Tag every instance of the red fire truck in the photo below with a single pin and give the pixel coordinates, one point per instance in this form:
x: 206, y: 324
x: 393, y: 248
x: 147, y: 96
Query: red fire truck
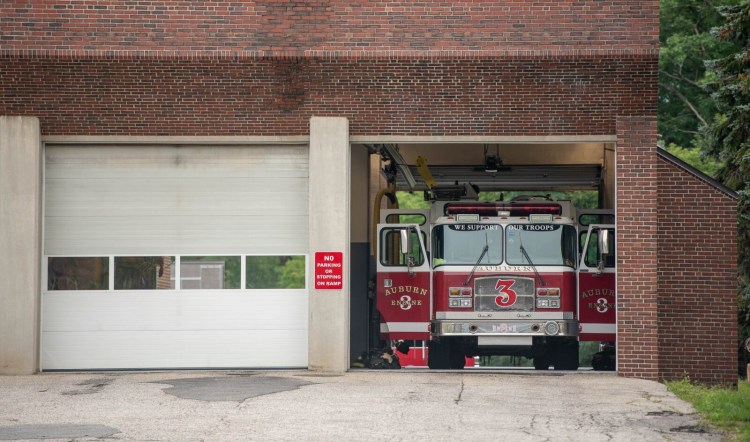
x: 530, y: 277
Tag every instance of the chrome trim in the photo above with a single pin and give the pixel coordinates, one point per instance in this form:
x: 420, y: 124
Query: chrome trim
x: 598, y: 328
x: 541, y: 316
x: 501, y: 328
x: 404, y: 327
x: 500, y: 341
x: 485, y: 293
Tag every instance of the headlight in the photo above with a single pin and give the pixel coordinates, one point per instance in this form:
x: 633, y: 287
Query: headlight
x: 548, y: 298
x: 551, y: 328
x: 460, y: 303
x: 548, y: 292
x: 459, y: 291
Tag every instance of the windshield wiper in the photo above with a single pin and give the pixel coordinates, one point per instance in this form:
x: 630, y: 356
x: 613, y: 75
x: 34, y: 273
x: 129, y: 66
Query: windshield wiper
x: 484, y: 251
x: 526, y: 255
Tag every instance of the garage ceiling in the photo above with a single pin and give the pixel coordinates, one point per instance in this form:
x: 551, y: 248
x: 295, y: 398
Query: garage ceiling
x: 562, y: 166
x: 517, y: 177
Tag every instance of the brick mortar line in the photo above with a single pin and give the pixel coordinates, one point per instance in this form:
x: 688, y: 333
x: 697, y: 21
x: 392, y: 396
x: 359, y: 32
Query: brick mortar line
x: 322, y: 54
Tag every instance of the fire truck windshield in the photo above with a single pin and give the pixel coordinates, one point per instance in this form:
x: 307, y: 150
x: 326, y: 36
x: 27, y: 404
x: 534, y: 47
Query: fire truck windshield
x: 461, y: 244
x: 545, y: 244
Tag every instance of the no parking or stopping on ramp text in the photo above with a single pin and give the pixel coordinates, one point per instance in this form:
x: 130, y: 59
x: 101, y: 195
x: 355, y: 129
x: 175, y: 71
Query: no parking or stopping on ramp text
x: 329, y: 270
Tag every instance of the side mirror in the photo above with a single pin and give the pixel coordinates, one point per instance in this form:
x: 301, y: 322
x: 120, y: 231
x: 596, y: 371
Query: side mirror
x: 405, y: 246
x: 406, y: 249
x: 604, y: 242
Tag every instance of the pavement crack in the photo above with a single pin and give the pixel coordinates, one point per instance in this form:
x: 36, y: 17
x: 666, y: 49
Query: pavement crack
x: 460, y: 393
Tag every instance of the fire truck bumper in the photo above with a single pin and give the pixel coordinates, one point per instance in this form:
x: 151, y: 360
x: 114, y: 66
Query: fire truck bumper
x: 504, y: 327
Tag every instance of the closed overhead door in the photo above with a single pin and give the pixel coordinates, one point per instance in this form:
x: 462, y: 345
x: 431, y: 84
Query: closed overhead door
x: 175, y: 257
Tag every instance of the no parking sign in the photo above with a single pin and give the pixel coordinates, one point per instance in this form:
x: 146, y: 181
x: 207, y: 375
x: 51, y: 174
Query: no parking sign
x: 329, y: 270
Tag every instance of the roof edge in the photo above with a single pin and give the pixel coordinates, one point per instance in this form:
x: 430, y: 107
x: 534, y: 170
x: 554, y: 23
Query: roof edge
x: 665, y: 155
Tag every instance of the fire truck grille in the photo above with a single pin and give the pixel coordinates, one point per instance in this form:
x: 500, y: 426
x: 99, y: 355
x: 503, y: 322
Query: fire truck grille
x: 503, y: 294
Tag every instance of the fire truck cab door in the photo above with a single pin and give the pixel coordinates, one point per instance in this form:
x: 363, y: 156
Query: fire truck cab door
x: 408, y: 216
x: 403, y: 282
x: 596, y: 284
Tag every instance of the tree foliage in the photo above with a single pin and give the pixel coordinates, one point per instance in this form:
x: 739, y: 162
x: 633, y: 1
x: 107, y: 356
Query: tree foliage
x: 729, y: 135
x: 686, y: 43
x: 292, y: 273
x: 581, y: 199
x: 275, y: 272
x: 696, y: 158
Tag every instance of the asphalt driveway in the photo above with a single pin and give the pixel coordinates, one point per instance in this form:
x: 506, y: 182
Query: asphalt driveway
x: 470, y: 405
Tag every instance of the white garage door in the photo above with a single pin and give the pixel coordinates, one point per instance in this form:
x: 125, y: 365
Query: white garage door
x: 175, y: 257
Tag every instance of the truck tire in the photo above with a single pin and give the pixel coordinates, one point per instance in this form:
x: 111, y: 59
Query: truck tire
x: 541, y: 354
x: 456, y: 355
x: 565, y: 352
x: 541, y: 362
x: 438, y: 356
x: 606, y: 359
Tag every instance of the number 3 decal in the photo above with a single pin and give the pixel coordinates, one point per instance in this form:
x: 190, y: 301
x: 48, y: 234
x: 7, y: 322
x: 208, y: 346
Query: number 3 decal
x: 507, y: 296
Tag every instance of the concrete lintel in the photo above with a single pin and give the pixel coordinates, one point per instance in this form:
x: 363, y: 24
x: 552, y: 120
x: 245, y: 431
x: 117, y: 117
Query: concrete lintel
x: 231, y: 140
x: 329, y: 224
x: 20, y: 243
x: 383, y: 139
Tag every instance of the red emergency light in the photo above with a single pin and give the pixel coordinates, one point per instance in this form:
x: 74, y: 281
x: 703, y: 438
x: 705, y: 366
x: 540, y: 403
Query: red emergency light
x: 492, y: 209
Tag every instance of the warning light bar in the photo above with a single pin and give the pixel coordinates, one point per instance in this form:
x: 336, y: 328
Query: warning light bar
x: 492, y: 209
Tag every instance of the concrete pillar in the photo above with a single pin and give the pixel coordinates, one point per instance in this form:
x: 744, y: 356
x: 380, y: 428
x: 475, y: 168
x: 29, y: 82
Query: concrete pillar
x: 20, y: 243
x: 330, y: 170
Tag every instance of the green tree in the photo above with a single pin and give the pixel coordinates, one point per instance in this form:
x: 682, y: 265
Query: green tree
x: 275, y: 272
x: 261, y: 272
x: 696, y: 158
x: 412, y: 200
x: 292, y: 273
x: 730, y: 132
x: 729, y: 135
x: 685, y: 44
x: 581, y: 199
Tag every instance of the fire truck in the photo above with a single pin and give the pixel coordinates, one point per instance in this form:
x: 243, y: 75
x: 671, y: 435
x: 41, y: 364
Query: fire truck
x: 529, y: 277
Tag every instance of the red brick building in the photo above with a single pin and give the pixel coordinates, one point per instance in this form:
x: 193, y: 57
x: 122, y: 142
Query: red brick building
x: 119, y: 74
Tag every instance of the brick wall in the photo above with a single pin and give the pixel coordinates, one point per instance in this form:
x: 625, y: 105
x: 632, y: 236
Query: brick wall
x: 637, y: 322
x: 395, y: 68
x: 219, y: 96
x: 697, y: 279
x: 265, y: 67
x: 338, y: 27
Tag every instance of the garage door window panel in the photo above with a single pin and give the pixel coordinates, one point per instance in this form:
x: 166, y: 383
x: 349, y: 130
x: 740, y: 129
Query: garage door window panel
x: 210, y: 272
x: 275, y: 272
x: 77, y: 273
x: 144, y: 272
